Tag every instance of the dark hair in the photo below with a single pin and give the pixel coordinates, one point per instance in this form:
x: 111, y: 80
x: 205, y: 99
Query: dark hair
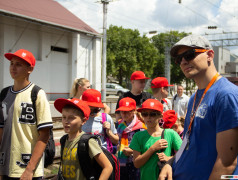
x: 77, y: 110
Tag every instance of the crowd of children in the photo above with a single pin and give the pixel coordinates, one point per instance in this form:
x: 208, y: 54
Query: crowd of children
x: 137, y: 139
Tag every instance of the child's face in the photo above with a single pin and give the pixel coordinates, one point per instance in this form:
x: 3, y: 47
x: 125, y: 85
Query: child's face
x: 127, y: 115
x: 138, y: 84
x: 19, y: 69
x: 71, y: 120
x: 151, y: 117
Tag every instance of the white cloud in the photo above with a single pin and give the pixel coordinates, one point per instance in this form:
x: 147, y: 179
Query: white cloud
x: 161, y: 15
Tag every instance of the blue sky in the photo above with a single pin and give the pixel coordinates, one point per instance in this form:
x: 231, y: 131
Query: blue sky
x: 162, y: 15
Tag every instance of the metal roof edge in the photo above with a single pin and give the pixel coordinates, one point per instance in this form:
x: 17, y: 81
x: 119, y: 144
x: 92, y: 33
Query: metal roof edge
x: 50, y: 23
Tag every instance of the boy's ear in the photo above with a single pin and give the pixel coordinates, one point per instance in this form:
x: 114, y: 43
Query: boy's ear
x: 30, y: 69
x: 84, y: 120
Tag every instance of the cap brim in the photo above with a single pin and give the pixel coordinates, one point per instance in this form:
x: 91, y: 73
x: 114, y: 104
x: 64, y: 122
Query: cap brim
x: 94, y: 104
x: 174, y: 50
x: 61, y: 103
x: 140, y: 109
x: 125, y: 109
x: 9, y: 56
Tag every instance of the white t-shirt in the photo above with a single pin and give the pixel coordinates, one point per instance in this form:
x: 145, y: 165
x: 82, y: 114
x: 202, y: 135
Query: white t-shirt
x: 180, y: 104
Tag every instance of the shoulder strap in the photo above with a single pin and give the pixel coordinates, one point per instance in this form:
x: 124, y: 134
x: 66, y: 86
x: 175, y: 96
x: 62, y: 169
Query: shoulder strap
x: 62, y: 144
x: 3, y: 93
x: 34, y: 93
x: 104, y: 117
x: 162, y: 137
x: 83, y: 156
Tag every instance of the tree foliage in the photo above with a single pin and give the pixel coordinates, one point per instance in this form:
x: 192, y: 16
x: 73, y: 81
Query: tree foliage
x: 161, y: 41
x: 127, y: 52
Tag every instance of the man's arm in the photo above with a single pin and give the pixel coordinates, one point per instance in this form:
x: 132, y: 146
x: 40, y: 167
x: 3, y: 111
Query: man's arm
x: 227, y: 150
x: 39, y: 148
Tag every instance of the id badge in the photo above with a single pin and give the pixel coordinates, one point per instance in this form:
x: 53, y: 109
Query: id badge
x: 182, y: 147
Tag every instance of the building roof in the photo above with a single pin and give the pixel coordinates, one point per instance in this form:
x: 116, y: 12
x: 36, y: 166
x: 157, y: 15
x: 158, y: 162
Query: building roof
x: 45, y: 11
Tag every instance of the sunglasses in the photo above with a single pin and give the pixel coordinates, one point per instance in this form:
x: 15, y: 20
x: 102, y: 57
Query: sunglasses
x: 151, y: 114
x: 188, y: 55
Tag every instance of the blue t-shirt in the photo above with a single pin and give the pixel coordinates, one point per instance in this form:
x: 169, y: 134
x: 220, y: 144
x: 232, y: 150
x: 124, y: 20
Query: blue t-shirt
x: 217, y: 112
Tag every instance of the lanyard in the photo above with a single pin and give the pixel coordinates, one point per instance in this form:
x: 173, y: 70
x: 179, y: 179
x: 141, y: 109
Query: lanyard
x: 194, y: 112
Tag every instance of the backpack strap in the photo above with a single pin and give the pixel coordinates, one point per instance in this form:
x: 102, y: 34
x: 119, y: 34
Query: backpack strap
x: 83, y: 156
x: 174, y: 100
x: 162, y: 137
x: 62, y: 144
x: 3, y: 93
x: 34, y: 93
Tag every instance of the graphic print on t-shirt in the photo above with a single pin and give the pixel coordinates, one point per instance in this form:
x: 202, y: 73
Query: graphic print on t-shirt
x: 27, y: 114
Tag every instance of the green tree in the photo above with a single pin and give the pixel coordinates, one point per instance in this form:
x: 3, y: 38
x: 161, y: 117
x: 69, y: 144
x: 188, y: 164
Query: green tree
x: 127, y: 52
x: 161, y: 41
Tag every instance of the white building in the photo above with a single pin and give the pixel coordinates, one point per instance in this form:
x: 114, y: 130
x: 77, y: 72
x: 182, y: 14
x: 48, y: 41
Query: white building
x: 64, y: 46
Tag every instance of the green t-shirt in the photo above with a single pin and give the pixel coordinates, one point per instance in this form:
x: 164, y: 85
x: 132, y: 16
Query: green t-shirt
x: 71, y: 169
x: 142, y: 141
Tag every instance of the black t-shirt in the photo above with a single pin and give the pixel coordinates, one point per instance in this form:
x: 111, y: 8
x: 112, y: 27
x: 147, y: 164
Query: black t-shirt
x: 138, y: 98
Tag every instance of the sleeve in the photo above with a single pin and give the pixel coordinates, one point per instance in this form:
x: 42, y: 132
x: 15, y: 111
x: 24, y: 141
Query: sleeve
x: 135, y: 143
x: 113, y: 128
x: 226, y: 112
x: 94, y: 148
x: 177, y: 141
x: 44, y: 119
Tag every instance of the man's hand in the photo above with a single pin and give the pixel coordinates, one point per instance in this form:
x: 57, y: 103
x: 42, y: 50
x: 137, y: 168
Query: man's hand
x: 166, y: 172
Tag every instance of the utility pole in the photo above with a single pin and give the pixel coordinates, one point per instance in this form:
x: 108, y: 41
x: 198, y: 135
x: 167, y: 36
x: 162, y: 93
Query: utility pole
x: 104, y: 50
x: 167, y: 62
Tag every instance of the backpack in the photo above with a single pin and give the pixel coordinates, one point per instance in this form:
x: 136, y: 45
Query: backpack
x: 161, y: 163
x: 50, y: 147
x: 90, y: 168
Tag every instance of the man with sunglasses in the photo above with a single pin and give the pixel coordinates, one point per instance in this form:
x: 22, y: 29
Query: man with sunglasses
x: 210, y: 144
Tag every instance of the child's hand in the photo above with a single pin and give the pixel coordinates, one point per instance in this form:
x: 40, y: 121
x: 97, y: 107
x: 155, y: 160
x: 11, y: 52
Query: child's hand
x: 160, y: 144
x: 107, y: 125
x: 127, y: 151
x: 162, y: 157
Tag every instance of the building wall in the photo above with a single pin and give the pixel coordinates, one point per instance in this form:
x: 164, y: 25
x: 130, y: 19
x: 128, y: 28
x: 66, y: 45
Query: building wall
x: 221, y: 57
x: 54, y: 71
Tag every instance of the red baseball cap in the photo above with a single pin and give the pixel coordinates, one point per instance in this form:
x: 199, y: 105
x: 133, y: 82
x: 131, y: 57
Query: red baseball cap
x: 138, y: 75
x: 152, y: 104
x: 126, y: 104
x: 93, y: 98
x: 24, y: 55
x: 169, y: 117
x: 61, y: 103
x: 160, y: 82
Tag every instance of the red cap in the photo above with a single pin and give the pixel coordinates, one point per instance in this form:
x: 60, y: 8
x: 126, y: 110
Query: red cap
x: 169, y: 117
x: 61, y: 103
x: 127, y: 104
x: 93, y: 98
x: 138, y: 75
x: 152, y: 104
x: 160, y: 82
x: 24, y: 55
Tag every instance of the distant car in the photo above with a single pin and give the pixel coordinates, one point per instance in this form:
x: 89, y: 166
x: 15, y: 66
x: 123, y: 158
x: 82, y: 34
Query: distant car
x: 115, y: 89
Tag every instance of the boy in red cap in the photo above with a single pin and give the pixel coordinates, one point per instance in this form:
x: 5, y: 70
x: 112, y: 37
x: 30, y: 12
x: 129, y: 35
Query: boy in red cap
x: 75, y: 113
x: 24, y: 125
x: 128, y: 126
x: 147, y: 144
x: 169, y: 117
x: 160, y: 88
x: 138, y: 80
x: 99, y: 123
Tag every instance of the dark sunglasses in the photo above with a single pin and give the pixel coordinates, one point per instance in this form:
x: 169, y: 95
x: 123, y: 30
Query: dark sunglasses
x: 151, y: 114
x: 188, y: 55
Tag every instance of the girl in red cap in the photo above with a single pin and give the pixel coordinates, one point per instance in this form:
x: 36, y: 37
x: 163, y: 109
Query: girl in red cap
x: 99, y: 123
x: 148, y: 144
x: 128, y: 126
